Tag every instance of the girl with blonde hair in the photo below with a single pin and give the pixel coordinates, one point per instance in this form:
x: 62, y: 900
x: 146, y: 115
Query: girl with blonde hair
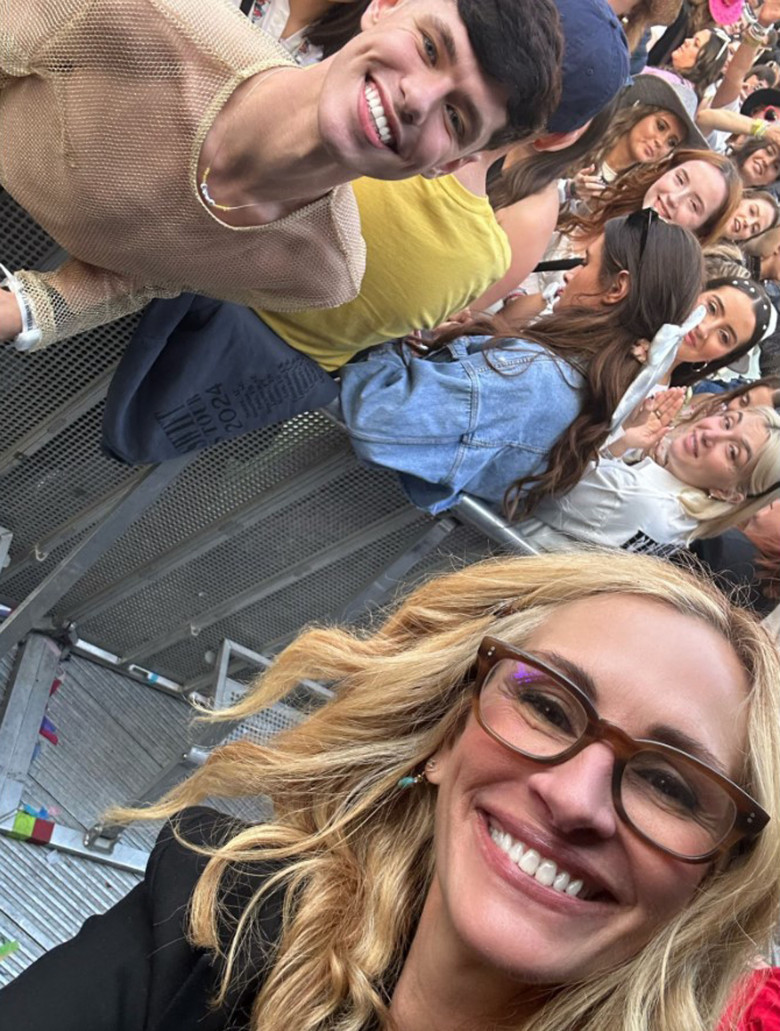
x: 470, y: 834
x: 711, y: 471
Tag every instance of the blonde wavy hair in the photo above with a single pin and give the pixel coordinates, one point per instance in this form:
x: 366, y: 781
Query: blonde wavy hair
x: 763, y: 485
x: 357, y: 851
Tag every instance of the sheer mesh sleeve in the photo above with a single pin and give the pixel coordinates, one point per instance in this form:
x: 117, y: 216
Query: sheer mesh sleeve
x: 77, y: 297
x: 104, y: 110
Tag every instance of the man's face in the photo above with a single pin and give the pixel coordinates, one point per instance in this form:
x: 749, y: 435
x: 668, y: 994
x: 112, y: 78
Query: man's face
x: 749, y: 85
x: 407, y: 94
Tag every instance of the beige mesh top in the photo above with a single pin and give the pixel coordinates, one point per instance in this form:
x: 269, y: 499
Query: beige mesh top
x: 104, y: 106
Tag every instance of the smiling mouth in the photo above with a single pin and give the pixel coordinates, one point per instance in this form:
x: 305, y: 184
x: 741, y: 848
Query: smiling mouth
x: 378, y: 116
x: 543, y: 869
x: 661, y: 208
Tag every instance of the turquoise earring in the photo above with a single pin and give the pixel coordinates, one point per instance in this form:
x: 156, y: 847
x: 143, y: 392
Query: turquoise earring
x: 411, y: 781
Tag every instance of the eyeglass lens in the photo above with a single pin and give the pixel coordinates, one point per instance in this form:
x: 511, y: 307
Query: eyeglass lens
x: 674, y: 804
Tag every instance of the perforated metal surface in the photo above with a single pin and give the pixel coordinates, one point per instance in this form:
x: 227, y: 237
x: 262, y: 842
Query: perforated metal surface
x: 321, y: 596
x: 25, y: 244
x: 15, y: 587
x: 309, y: 528
x: 220, y: 480
x: 262, y: 727
x: 57, y: 482
x: 226, y: 477
x: 248, y: 559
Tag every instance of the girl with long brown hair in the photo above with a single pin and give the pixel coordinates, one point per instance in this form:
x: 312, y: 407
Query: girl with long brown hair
x: 698, y: 189
x: 758, y: 161
x: 738, y: 316
x: 701, y: 58
x: 654, y: 118
x: 533, y: 401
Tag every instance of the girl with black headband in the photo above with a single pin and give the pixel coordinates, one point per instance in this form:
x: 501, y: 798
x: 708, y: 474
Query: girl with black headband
x: 739, y: 315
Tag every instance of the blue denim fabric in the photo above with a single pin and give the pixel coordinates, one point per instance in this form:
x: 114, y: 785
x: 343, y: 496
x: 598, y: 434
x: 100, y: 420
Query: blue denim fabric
x: 716, y: 386
x: 473, y: 423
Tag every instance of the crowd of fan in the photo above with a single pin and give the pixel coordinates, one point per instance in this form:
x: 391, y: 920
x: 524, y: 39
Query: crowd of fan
x: 517, y: 409
x: 522, y: 284
x: 519, y: 273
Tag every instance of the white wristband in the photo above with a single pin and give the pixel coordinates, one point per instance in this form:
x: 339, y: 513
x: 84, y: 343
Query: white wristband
x: 30, y: 335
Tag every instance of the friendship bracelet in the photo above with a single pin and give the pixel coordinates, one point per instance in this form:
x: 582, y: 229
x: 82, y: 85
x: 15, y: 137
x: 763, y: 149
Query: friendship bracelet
x: 30, y: 335
x: 758, y: 128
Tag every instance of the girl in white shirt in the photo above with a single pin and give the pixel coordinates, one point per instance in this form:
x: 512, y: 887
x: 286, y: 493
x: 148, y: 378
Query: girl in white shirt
x: 710, y: 472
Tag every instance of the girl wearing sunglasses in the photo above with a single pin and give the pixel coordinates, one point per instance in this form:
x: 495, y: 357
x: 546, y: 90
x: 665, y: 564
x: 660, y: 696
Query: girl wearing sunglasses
x: 697, y: 189
x: 533, y: 402
x: 518, y: 811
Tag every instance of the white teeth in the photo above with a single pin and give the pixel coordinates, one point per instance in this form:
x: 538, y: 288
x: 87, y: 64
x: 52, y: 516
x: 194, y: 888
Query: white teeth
x: 378, y: 115
x: 561, y: 881
x: 545, y: 871
x: 530, y: 862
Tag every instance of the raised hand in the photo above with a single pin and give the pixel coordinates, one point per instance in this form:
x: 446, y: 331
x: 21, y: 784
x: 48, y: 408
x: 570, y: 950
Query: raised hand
x: 587, y: 184
x: 649, y: 423
x: 10, y: 316
x: 769, y: 12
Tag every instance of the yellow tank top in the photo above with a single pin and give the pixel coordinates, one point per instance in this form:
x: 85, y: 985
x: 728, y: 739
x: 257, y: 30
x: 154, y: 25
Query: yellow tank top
x: 432, y: 247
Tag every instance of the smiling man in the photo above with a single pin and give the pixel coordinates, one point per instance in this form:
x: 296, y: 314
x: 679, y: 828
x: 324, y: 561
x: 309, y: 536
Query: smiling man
x: 433, y: 245
x: 171, y: 146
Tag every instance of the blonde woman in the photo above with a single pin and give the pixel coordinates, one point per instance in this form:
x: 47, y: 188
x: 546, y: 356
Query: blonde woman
x: 470, y: 835
x: 711, y: 471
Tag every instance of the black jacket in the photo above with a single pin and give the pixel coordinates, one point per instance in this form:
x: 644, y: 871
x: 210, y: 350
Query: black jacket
x: 132, y: 969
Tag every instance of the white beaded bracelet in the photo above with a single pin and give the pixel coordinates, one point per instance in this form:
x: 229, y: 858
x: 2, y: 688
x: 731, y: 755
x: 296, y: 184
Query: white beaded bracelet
x: 30, y: 334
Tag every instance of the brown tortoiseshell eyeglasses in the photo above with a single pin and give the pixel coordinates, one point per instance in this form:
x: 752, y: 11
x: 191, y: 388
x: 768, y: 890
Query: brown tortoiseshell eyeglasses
x: 672, y: 800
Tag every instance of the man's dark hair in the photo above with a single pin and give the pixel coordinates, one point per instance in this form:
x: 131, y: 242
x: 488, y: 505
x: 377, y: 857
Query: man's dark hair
x: 764, y: 73
x: 519, y: 44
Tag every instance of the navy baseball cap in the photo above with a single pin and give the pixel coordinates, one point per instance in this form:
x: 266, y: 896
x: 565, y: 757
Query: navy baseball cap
x: 595, y: 62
